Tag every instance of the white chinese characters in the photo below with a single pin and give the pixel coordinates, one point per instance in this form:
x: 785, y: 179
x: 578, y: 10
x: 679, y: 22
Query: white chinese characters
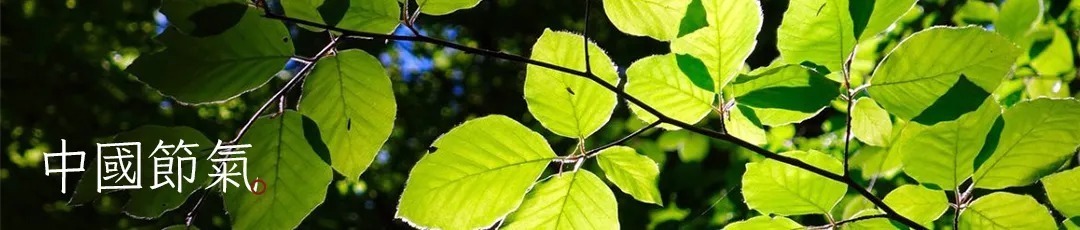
x: 170, y: 165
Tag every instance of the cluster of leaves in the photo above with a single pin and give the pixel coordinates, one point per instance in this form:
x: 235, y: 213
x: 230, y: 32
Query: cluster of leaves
x: 940, y: 107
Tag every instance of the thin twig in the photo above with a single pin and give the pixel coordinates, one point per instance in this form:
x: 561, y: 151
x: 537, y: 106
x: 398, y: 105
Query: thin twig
x: 281, y: 92
x: 594, y: 152
x: 846, y: 71
x: 585, y: 37
x: 633, y: 100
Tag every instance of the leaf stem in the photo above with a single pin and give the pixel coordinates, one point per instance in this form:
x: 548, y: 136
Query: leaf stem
x: 593, y: 152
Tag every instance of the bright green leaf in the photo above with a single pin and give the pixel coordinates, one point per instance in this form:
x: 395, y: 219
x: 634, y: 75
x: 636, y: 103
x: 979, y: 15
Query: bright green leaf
x: 1071, y: 223
x: 968, y: 63
x: 1056, y: 57
x: 1063, y: 189
x: 771, y: 186
x: 870, y: 123
x: 375, y: 16
x: 917, y: 203
x: 825, y: 32
x: 474, y: 175
x: 443, y: 7
x: 657, y: 81
x: 1018, y: 18
x: 566, y: 104
x: 818, y: 31
x: 744, y: 124
x: 651, y: 18
x: 572, y: 200
x: 976, y: 12
x: 350, y: 98
x: 1038, y: 137
x: 216, y: 68
x: 296, y: 177
x: 765, y: 223
x: 875, y: 223
x: 723, y: 45
x: 883, y: 15
x: 1049, y: 87
x: 1002, y: 210
x: 634, y: 174
x: 944, y: 154
x: 784, y: 94
x: 876, y: 162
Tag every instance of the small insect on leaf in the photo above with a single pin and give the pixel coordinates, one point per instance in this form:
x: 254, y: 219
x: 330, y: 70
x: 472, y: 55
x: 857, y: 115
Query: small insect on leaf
x: 571, y: 91
x: 432, y: 149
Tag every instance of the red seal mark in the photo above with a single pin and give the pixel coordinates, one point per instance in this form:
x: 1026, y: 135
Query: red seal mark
x: 255, y: 187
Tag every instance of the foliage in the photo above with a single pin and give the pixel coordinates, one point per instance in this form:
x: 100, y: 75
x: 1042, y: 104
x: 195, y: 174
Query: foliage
x: 972, y: 104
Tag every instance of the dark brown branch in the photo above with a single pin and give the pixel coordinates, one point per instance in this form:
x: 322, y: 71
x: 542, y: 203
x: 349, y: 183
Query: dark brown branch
x: 633, y: 100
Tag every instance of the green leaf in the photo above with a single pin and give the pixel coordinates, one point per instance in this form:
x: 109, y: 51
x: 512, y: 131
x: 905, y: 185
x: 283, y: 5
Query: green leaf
x: 772, y: 186
x: 969, y: 63
x: 784, y: 94
x: 1063, y: 191
x: 876, y: 162
x: 825, y: 32
x: 443, y: 7
x: 152, y: 203
x: 1038, y: 137
x: 566, y: 104
x: 634, y: 174
x: 744, y: 124
x: 875, y: 223
x: 1002, y: 210
x: 375, y: 16
x: 694, y: 18
x: 943, y: 155
x: 202, y: 18
x: 882, y: 15
x: 474, y: 175
x: 651, y: 18
x: 213, y: 69
x: 765, y: 223
x: 976, y: 12
x: 657, y: 81
x: 870, y: 123
x: 917, y: 203
x: 1071, y: 223
x: 1056, y: 57
x: 572, y: 200
x: 350, y: 97
x: 818, y: 31
x: 296, y: 176
x: 723, y: 45
x: 147, y: 203
x: 1018, y: 18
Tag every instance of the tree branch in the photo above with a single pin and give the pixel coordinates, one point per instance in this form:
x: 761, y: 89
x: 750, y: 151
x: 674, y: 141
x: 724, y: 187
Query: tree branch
x: 633, y: 100
x: 281, y: 92
x: 850, y: 97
